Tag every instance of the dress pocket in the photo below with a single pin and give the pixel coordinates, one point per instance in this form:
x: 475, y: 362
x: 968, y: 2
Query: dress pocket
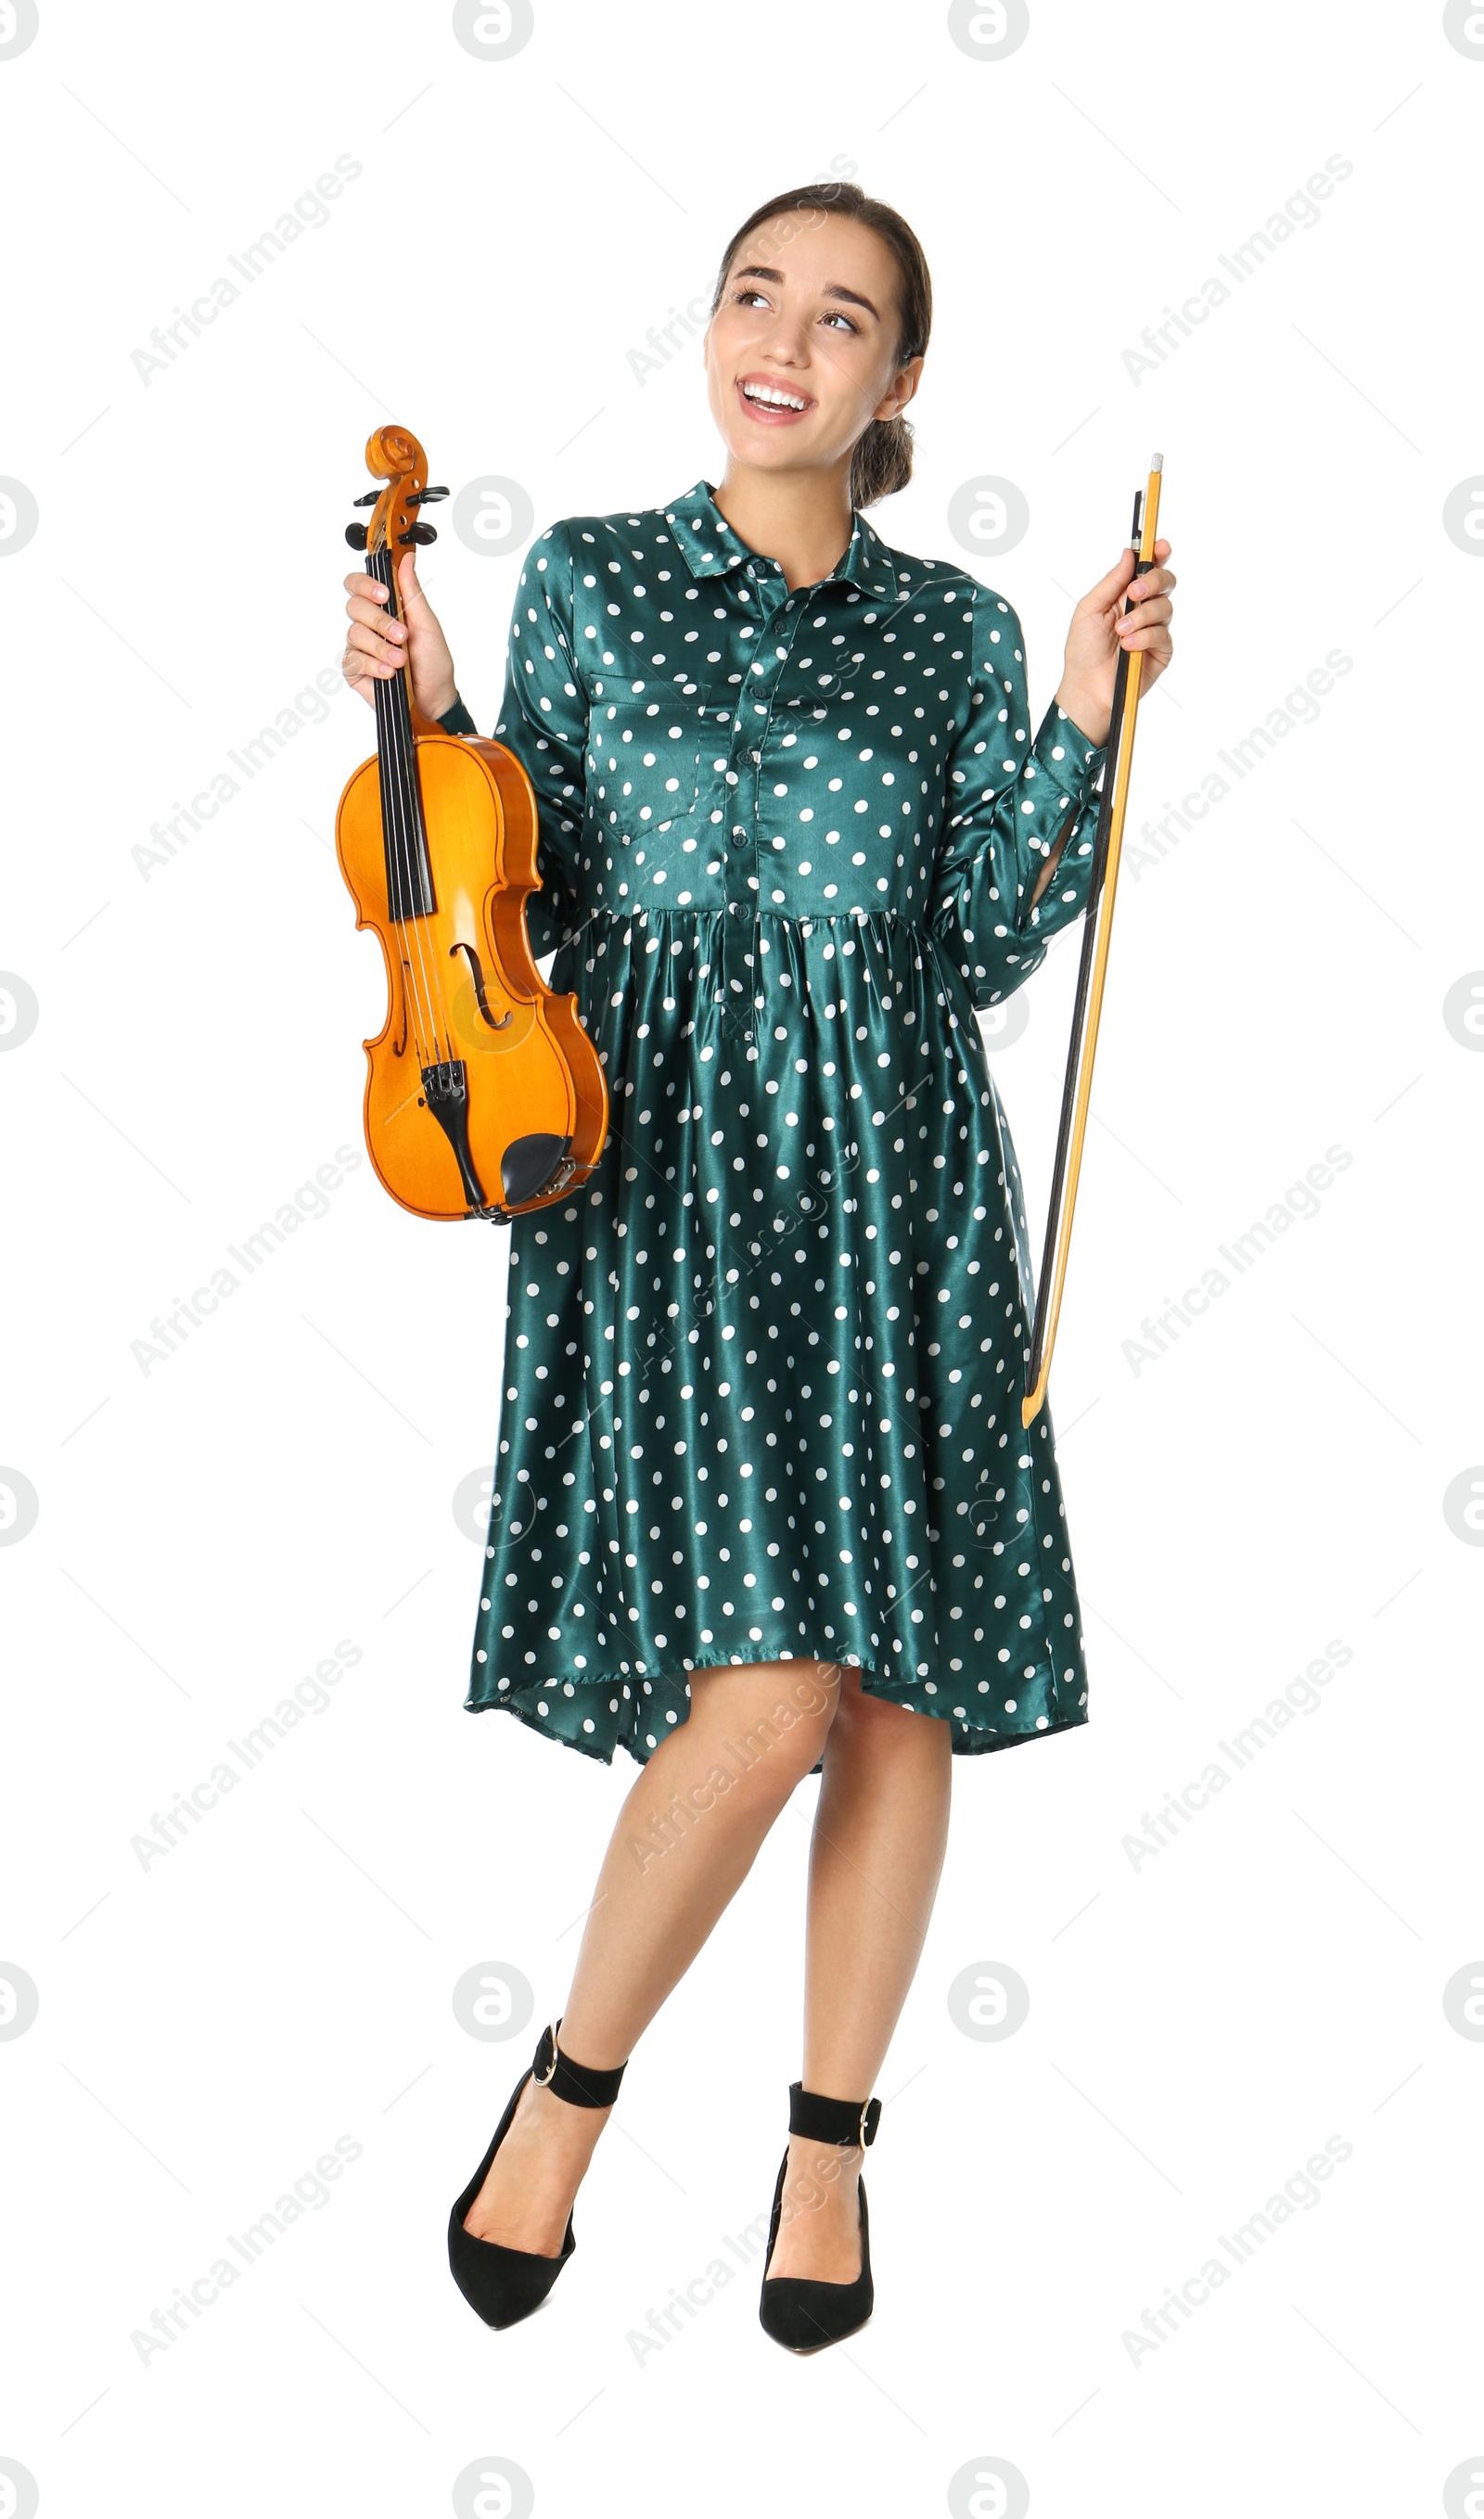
x: 656, y: 757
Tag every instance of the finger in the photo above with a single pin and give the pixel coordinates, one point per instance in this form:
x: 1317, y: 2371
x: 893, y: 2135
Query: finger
x: 372, y: 638
x: 1154, y: 567
x: 359, y: 672
x: 1145, y: 615
x: 407, y: 580
x: 1098, y: 597
x: 377, y: 621
x: 1155, y: 581
x: 1156, y: 639
x: 369, y: 585
x: 379, y: 653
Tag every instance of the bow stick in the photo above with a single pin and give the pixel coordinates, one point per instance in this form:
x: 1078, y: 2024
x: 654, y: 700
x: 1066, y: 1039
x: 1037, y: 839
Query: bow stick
x: 1091, y: 972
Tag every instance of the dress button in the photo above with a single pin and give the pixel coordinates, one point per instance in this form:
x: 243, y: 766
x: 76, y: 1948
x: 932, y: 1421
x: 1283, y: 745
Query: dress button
x: 754, y: 756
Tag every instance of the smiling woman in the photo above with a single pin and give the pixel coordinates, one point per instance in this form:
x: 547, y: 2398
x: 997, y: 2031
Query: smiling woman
x: 785, y: 233
x: 763, y: 1502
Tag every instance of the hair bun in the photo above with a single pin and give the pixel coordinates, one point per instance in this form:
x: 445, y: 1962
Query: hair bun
x: 882, y: 461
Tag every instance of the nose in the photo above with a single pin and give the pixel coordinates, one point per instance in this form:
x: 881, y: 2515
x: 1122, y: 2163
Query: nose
x: 785, y: 342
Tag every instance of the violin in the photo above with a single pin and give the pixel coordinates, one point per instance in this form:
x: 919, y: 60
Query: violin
x: 484, y: 1094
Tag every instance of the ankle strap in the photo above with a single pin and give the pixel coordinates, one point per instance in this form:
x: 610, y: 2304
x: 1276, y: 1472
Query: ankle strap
x: 582, y: 2084
x: 822, y: 2120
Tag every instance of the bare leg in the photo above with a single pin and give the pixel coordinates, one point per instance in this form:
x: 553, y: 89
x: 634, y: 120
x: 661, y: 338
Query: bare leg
x: 874, y: 1864
x: 686, y: 1838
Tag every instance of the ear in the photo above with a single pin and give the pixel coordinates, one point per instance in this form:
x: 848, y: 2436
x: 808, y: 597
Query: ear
x: 903, y: 387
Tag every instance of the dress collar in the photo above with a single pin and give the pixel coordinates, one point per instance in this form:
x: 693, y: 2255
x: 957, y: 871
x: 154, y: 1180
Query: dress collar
x: 711, y: 548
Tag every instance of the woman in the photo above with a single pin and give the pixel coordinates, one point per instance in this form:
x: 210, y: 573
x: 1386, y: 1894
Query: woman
x: 763, y: 1506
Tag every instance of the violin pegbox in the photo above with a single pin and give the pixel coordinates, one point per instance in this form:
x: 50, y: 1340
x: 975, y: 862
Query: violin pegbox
x: 394, y: 455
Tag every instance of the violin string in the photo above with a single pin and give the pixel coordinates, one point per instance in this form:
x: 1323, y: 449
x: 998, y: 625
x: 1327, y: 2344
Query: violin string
x: 394, y: 832
x: 398, y: 725
x: 395, y: 853
x: 417, y: 853
x: 404, y: 754
x: 400, y: 842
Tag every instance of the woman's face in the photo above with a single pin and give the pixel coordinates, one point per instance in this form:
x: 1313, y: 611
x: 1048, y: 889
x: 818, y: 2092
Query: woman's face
x: 800, y: 353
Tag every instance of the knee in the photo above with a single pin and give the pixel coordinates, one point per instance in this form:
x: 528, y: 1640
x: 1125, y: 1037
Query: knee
x: 867, y: 1727
x: 784, y: 1741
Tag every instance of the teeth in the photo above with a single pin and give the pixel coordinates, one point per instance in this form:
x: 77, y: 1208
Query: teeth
x: 771, y: 393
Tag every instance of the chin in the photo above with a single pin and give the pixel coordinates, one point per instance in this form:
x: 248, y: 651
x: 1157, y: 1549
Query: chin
x: 775, y: 451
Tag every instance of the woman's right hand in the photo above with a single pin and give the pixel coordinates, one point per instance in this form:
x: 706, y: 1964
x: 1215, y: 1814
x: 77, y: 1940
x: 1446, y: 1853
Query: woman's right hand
x: 376, y: 649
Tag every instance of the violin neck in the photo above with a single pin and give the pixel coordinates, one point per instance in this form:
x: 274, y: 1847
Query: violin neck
x: 404, y: 835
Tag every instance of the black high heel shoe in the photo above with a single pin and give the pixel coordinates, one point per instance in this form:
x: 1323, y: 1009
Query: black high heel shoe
x: 796, y: 2311
x: 506, y: 2284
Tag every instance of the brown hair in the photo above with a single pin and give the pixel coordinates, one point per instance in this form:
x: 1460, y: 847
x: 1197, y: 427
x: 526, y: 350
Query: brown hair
x: 882, y: 458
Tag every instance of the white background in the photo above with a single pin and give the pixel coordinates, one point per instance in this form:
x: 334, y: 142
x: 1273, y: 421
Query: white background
x: 1200, y: 2023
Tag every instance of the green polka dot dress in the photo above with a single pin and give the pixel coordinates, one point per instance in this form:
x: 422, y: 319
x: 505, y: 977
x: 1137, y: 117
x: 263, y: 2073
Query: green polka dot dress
x: 762, y: 1377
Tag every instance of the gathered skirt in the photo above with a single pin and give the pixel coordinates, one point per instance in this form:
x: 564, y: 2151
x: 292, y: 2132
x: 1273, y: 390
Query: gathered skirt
x: 762, y: 1377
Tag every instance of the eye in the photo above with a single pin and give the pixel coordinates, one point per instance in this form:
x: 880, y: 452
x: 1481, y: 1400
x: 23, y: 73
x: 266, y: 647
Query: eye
x: 835, y: 316
x: 739, y: 295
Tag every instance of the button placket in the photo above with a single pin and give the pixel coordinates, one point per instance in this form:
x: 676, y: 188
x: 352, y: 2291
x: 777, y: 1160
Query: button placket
x: 766, y: 687
x: 757, y: 700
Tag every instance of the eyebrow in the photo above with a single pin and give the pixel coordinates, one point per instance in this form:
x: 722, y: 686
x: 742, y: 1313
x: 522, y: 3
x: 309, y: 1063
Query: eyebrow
x: 832, y: 287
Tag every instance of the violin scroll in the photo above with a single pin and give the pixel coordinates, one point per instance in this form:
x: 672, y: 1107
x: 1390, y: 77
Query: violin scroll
x: 395, y: 456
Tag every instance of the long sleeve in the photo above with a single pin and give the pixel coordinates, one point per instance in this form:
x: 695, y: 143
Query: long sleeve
x: 544, y: 721
x: 1008, y: 799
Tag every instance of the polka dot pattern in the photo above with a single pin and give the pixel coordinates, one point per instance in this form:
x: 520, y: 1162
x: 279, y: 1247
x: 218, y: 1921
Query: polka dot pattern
x: 763, y: 1376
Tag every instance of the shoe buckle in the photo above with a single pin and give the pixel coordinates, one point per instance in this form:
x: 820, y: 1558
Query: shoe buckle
x: 545, y: 2078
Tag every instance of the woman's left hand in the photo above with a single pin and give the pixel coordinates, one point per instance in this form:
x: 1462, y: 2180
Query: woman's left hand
x: 1101, y: 628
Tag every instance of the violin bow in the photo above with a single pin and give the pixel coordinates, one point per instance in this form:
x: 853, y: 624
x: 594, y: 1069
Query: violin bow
x: 1092, y: 970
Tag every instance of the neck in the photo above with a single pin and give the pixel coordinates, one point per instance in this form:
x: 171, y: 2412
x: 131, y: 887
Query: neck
x: 800, y: 519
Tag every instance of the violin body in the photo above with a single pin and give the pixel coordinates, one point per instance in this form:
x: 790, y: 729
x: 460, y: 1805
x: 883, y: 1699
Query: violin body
x: 534, y: 1112
x: 484, y: 1094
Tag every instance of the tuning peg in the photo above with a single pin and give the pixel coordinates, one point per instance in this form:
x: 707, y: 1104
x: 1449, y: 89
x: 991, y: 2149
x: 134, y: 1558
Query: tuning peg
x: 420, y: 534
x: 421, y: 497
x: 370, y: 500
x: 355, y: 535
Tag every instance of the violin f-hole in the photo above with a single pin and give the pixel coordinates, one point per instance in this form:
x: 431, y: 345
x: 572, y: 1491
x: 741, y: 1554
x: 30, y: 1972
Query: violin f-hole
x: 407, y: 981
x: 496, y: 1023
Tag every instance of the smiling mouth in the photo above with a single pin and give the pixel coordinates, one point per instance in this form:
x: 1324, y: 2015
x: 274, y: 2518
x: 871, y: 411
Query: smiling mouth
x: 772, y: 402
